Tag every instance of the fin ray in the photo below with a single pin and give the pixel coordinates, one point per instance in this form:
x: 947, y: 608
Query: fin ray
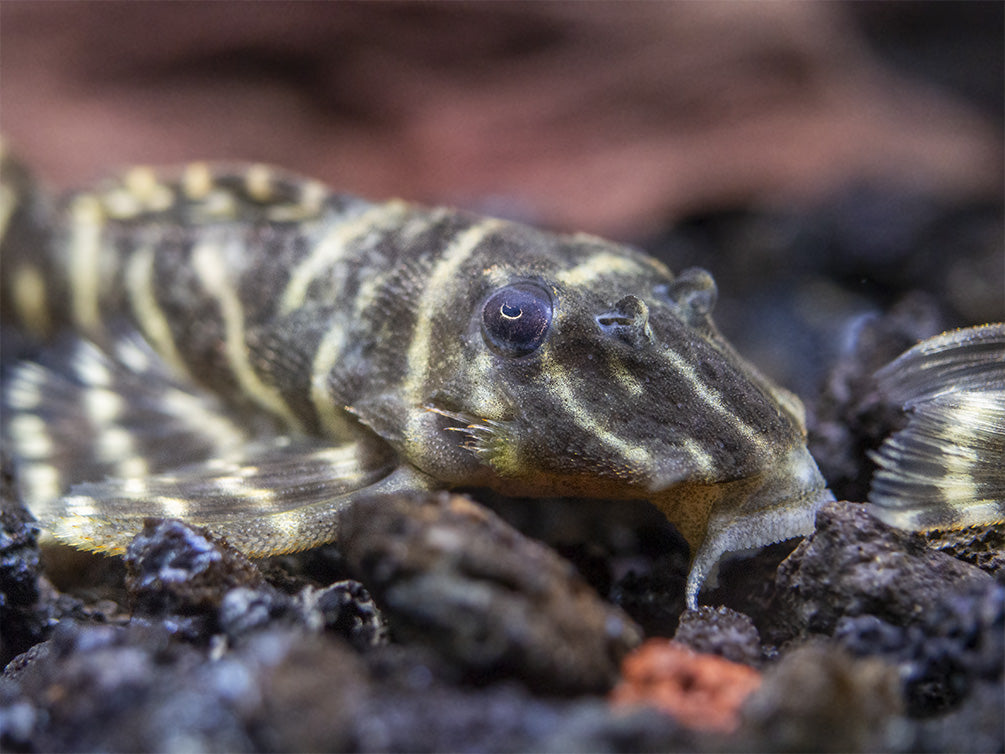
x: 80, y: 413
x: 972, y: 358
x: 946, y: 468
x: 283, y: 495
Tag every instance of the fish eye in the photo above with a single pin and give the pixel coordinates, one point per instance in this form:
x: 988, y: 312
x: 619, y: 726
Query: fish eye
x: 515, y: 319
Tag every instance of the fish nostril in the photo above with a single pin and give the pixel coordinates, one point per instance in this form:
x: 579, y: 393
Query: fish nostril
x: 693, y: 294
x: 629, y: 320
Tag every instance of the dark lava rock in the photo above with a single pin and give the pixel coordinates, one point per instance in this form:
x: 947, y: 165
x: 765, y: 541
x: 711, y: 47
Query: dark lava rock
x: 595, y: 728
x: 982, y: 546
x: 344, y: 608
x: 29, y: 605
x: 314, y: 693
x: 851, y: 417
x: 819, y: 698
x: 655, y: 596
x: 853, y: 565
x: 138, y: 688
x: 178, y: 570
x: 721, y: 631
x: 19, y: 556
x: 956, y: 645
x: 976, y: 726
x: 197, y: 585
x: 112, y: 688
x: 20, y: 570
x: 319, y: 698
x: 176, y: 567
x: 454, y: 576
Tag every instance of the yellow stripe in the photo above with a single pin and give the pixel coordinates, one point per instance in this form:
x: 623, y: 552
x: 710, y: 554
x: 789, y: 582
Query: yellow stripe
x: 197, y: 180
x: 142, y: 182
x: 711, y: 397
x: 212, y: 268
x: 26, y: 389
x: 30, y: 436
x: 622, y: 375
x: 121, y: 204
x: 205, y: 419
x: 139, y: 276
x: 333, y: 247
x: 613, y: 262
x: 84, y: 251
x: 8, y: 203
x: 145, y: 185
x: 970, y: 418
x: 258, y: 182
x: 440, y: 279
x: 312, y: 196
x: 560, y: 385
x: 332, y: 418
x: 41, y: 485
x: 30, y: 299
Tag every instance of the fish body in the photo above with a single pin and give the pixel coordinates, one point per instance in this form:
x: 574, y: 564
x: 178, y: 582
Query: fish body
x: 253, y: 352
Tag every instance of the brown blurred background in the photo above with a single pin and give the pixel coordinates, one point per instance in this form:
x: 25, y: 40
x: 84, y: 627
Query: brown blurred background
x: 822, y: 159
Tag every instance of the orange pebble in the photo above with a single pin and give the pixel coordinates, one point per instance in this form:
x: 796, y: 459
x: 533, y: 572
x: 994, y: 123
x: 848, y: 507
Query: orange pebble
x: 702, y: 691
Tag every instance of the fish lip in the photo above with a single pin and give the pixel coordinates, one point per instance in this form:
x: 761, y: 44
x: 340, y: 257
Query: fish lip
x: 788, y: 476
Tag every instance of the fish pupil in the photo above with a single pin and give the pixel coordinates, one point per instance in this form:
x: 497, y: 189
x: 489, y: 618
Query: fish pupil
x: 510, y: 311
x: 515, y: 319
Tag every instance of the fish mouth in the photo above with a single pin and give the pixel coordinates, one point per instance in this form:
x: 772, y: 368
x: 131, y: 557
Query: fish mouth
x: 778, y: 505
x: 793, y: 482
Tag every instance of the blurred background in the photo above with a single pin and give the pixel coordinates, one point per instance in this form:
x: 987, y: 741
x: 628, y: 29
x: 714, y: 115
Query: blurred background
x: 832, y: 164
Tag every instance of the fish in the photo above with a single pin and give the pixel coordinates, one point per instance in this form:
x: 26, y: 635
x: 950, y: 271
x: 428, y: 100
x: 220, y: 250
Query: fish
x: 253, y: 352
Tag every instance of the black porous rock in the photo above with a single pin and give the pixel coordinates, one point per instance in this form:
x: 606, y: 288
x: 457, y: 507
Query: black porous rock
x: 982, y: 546
x: 851, y: 417
x: 852, y: 565
x: 820, y: 698
x: 138, y: 688
x: 505, y: 718
x: 174, y: 566
x: 319, y: 698
x: 721, y: 631
x: 174, y: 569
x: 20, y: 570
x: 313, y: 692
x: 454, y: 576
x: 198, y: 586
x: 654, y: 596
x: 346, y: 608
x: 598, y: 728
x: 954, y: 647
x: 19, y: 555
x: 975, y: 726
x: 114, y: 688
x: 29, y: 605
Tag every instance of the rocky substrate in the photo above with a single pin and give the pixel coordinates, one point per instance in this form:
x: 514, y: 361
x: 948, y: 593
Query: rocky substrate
x: 437, y: 626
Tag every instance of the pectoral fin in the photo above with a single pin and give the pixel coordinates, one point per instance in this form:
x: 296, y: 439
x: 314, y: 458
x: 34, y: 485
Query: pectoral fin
x: 281, y: 496
x: 101, y: 438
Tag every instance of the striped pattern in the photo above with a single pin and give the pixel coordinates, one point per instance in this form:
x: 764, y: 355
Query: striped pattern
x: 254, y: 352
x: 946, y: 468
